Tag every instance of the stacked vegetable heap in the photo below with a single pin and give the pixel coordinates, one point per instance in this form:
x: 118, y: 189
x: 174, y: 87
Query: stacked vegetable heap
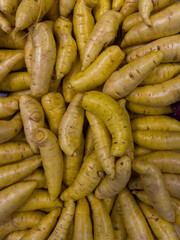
x: 88, y: 146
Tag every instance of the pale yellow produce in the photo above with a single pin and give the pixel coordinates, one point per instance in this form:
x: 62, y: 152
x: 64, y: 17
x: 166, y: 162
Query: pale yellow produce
x: 10, y: 18
x: 129, y: 7
x: 53, y: 13
x: 108, y: 110
x: 52, y: 160
x: 83, y: 224
x: 54, y: 107
x: 65, y: 7
x: 103, y: 228
x: 43, y: 58
x: 127, y: 78
x: 38, y: 176
x: 70, y: 231
x: 101, y: 7
x: 109, y: 203
x: 109, y: 186
x: 32, y: 117
x: 89, y: 142
x: 16, y: 235
x: 103, y: 34
x: 177, y: 229
x: 20, y: 137
x: 102, y: 144
x: 117, y: 4
x: 152, y: 180
x: 139, y: 150
x: 130, y: 21
x: 16, y: 81
x: 12, y: 173
x: 63, y: 224
x: 18, y: 94
x: 8, y: 53
x: 128, y: 50
x: 98, y: 71
x: 5, y: 24
x: 12, y: 40
x: 87, y: 179
x: 43, y: 229
x: 71, y: 126
x: 12, y: 197
x: 39, y: 199
x: 176, y: 205
x: 28, y: 53
x: 20, y: 221
x: 66, y: 48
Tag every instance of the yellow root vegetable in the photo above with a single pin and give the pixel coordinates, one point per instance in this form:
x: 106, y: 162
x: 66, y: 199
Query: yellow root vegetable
x: 101, y: 7
x: 20, y: 137
x: 128, y: 50
x: 117, y: 4
x: 130, y: 21
x: 124, y: 81
x: 142, y: 196
x: 162, y: 73
x: 52, y: 160
x: 157, y: 95
x: 164, y: 23
x: 108, y: 110
x: 110, y: 187
x: 16, y: 235
x: 5, y: 24
x: 169, y: 46
x: 12, y: 197
x: 176, y: 205
x: 103, y: 228
x: 32, y: 117
x: 83, y: 225
x: 43, y: 229
x: 139, y: 151
x: 12, y: 173
x: 54, y: 107
x: 63, y: 224
x: 102, y: 144
x: 66, y: 48
x: 43, y: 58
x: 147, y: 110
x: 89, y: 142
x: 16, y: 81
x: 103, y: 33
x: 99, y: 71
x: 38, y: 176
x: 9, y: 6
x: 39, y: 199
x: 87, y: 179
x: 65, y: 7
x: 69, y: 93
x: 71, y: 126
x: 117, y: 221
x: 157, y: 140
x: 18, y: 94
x: 20, y: 221
x: 28, y: 53
x: 72, y: 164
x: 83, y: 23
x: 136, y: 225
x: 70, y: 231
x: 109, y: 203
x: 12, y: 40
x: 53, y: 13
x: 129, y: 7
x: 8, y: 53
x: 177, y: 229
x: 152, y: 180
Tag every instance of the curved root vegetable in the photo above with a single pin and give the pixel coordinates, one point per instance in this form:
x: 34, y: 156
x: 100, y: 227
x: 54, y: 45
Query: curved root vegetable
x: 157, y: 95
x: 110, y: 187
x: 83, y: 225
x: 83, y: 23
x: 70, y: 233
x: 108, y: 110
x: 147, y: 110
x: 71, y: 126
x: 177, y: 229
x: 123, y: 81
x: 142, y: 196
x: 28, y: 54
x: 117, y: 4
x: 152, y: 180
x: 62, y: 226
x: 66, y: 6
x: 53, y: 13
x: 9, y: 6
x: 169, y: 46
x: 161, y: 228
x: 176, y: 205
x: 30, y: 11
x: 164, y: 23
x: 12, y: 197
x: 139, y: 151
x: 101, y: 7
x: 12, y: 173
x: 69, y: 93
x: 12, y: 40
x: 66, y: 48
x: 52, y: 160
x: 103, y: 33
x: 16, y: 81
x: 87, y: 179
x: 20, y: 221
x: 5, y: 24
x: 162, y: 73
x: 130, y: 21
x: 129, y: 7
x: 16, y: 235
x: 89, y: 142
x: 159, y: 123
x: 40, y: 199
x: 103, y: 228
x: 54, y: 106
x: 44, y: 227
x: 136, y: 226
x: 43, y: 58
x: 146, y: 7
x: 102, y: 144
x: 99, y: 71
x: 109, y: 203
x: 20, y: 137
x: 117, y: 221
x: 8, y: 106
x: 72, y: 164
x: 38, y: 176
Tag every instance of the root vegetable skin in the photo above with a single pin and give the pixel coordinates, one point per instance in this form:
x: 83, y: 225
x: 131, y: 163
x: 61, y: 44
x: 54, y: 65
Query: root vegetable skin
x: 101, y: 7
x: 117, y: 4
x: 16, y: 235
x: 66, y: 6
x: 129, y: 7
x: 131, y: 20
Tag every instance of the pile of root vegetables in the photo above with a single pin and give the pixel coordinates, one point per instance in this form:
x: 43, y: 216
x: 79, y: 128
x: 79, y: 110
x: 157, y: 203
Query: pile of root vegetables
x: 88, y: 146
